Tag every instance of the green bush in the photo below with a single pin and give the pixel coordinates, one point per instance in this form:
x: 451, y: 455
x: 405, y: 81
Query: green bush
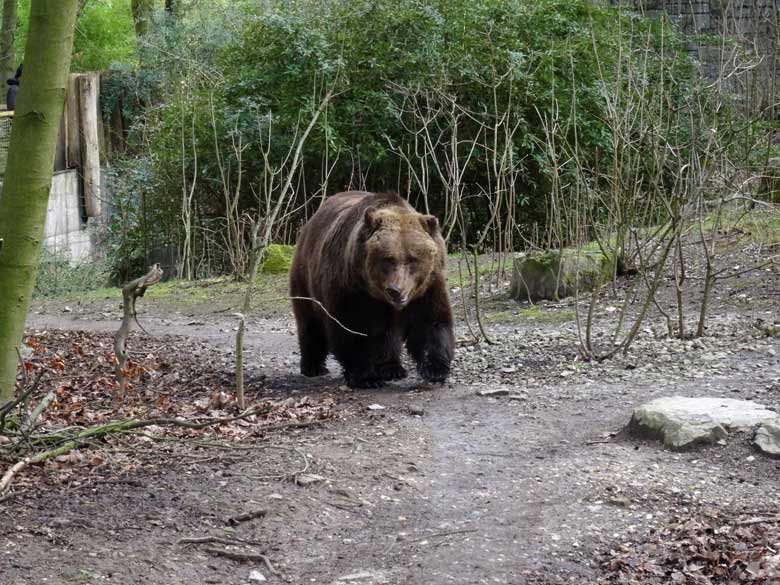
x: 490, y: 57
x: 228, y: 73
x: 57, y: 276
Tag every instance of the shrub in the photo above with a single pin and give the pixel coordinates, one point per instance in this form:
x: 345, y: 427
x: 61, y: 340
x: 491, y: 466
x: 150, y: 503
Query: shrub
x: 58, y: 276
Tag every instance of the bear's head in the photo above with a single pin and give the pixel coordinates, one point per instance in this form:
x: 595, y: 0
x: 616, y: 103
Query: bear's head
x: 403, y: 253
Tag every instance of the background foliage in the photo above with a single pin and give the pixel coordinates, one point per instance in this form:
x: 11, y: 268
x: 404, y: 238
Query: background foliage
x: 212, y: 75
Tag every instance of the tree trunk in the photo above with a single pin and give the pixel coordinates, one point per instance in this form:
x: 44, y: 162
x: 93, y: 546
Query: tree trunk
x: 28, y: 173
x: 7, y: 36
x: 142, y: 16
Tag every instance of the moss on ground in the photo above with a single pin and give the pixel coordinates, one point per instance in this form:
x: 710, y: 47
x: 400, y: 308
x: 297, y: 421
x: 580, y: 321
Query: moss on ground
x: 486, y: 265
x: 278, y: 259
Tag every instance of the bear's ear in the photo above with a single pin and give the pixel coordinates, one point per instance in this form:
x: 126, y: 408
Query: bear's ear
x: 371, y: 222
x: 430, y: 223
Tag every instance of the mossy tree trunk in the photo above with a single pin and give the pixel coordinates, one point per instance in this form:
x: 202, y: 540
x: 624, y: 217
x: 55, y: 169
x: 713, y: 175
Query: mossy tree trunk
x: 29, y: 170
x: 142, y: 16
x: 7, y: 36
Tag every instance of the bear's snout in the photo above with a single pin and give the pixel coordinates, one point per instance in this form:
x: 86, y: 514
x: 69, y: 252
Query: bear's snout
x: 394, y: 292
x: 396, y: 296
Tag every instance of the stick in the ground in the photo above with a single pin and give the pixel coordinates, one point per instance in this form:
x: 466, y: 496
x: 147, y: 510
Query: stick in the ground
x: 442, y: 534
x: 217, y: 540
x: 245, y: 517
x: 9, y: 406
x: 130, y: 292
x: 243, y: 556
x: 240, y: 394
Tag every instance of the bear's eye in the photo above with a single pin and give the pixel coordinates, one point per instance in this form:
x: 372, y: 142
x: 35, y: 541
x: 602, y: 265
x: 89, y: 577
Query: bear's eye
x: 412, y: 262
x: 387, y: 265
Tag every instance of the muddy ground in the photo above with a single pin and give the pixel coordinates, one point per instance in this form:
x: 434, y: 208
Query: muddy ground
x: 440, y: 485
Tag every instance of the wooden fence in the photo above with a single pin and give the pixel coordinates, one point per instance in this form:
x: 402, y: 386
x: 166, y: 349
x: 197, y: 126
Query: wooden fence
x: 79, y: 202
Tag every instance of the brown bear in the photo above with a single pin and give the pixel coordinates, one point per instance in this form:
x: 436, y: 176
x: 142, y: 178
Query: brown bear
x: 378, y: 267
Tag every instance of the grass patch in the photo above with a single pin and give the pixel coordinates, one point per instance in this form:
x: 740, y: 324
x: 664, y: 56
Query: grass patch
x: 58, y: 277
x: 222, y: 294
x: 758, y: 225
x: 486, y: 265
x: 216, y: 295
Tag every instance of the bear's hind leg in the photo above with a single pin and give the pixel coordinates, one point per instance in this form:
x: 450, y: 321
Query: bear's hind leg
x: 366, y: 360
x: 312, y: 340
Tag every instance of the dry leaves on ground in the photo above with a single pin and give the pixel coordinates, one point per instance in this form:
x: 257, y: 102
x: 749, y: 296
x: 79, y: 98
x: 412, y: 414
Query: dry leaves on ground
x: 710, y: 548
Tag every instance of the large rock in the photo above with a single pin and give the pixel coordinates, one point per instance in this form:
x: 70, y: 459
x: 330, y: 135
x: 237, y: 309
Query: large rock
x: 767, y: 437
x: 682, y: 422
x: 552, y: 275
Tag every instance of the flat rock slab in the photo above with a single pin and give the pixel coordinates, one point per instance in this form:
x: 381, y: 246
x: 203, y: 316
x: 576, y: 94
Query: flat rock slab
x: 683, y: 422
x: 767, y: 437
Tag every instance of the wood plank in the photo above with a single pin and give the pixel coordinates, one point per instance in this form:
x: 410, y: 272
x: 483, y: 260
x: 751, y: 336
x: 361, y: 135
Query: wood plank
x: 89, y: 87
x: 72, y: 126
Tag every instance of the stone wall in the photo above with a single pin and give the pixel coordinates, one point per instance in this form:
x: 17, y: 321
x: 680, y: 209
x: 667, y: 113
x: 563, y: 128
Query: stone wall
x: 65, y: 233
x: 747, y: 19
x: 753, y: 25
x: 78, y: 197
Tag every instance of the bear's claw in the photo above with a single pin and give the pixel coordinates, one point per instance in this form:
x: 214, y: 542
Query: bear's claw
x: 434, y: 370
x: 314, y: 371
x: 391, y: 371
x: 355, y: 381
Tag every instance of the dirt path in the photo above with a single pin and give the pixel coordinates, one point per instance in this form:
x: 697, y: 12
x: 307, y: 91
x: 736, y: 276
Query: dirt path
x: 440, y: 486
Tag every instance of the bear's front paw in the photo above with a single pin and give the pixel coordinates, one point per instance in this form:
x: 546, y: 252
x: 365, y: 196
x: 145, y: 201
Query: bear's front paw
x: 391, y: 371
x: 363, y: 380
x: 434, y: 369
x: 312, y: 371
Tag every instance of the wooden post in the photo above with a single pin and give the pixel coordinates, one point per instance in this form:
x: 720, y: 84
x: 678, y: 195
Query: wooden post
x: 89, y: 86
x: 72, y: 126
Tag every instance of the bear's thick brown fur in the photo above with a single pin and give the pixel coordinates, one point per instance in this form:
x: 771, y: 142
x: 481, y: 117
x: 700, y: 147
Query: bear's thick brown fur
x: 378, y: 267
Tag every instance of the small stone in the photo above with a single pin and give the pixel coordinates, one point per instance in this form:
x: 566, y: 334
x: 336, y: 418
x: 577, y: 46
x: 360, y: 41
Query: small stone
x: 493, y: 393
x: 375, y: 407
x: 767, y: 437
x: 308, y: 479
x: 257, y: 577
x: 508, y: 370
x: 416, y: 411
x: 362, y: 576
x: 67, y: 310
